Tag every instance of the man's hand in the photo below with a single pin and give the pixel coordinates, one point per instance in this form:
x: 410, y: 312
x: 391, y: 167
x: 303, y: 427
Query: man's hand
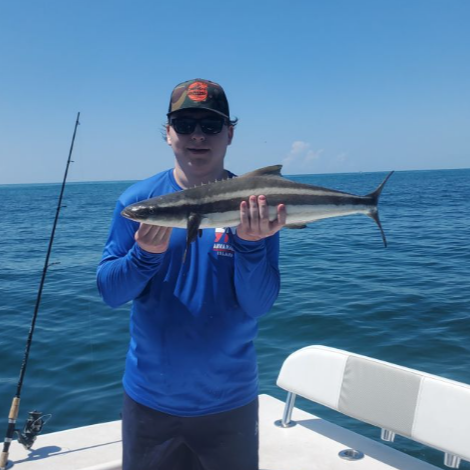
x: 254, y: 219
x: 153, y: 238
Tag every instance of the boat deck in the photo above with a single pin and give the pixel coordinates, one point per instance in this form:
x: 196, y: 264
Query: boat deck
x: 312, y: 444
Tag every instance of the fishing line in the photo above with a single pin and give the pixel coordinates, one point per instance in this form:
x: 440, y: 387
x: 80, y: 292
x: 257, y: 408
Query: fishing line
x: 35, y: 421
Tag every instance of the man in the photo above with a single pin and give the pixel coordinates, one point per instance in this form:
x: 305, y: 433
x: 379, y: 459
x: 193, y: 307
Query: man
x: 190, y: 381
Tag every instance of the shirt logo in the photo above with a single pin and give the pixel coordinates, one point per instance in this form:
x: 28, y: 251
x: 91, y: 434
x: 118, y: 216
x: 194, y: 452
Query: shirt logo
x: 222, y: 242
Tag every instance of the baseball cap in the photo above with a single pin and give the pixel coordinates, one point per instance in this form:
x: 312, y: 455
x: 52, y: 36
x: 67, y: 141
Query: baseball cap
x: 199, y: 94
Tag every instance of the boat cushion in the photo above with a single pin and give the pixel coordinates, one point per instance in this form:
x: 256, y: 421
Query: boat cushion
x: 442, y: 418
x: 429, y: 409
x: 374, y: 392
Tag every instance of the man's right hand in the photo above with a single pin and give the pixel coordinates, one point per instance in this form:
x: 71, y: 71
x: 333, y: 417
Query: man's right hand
x: 153, y: 238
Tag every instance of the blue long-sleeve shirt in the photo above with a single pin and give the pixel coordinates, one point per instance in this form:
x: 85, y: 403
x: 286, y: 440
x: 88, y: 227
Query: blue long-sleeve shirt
x: 192, y: 325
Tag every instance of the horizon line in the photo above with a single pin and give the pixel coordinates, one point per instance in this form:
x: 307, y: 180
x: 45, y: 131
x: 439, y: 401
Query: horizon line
x: 284, y: 175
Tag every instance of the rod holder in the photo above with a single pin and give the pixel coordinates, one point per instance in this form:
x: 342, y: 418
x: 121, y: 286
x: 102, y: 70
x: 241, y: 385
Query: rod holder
x: 451, y: 461
x: 351, y: 454
x: 286, y: 421
x: 387, y: 436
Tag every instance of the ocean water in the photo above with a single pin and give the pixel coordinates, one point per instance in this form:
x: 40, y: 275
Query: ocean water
x: 408, y: 303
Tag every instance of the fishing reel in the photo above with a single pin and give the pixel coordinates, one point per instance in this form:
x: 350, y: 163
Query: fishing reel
x: 32, y: 428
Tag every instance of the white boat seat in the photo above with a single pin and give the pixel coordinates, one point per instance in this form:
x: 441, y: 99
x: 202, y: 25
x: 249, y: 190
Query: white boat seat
x: 425, y: 408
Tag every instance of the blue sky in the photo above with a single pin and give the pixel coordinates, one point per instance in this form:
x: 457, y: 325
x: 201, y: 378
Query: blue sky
x: 321, y: 86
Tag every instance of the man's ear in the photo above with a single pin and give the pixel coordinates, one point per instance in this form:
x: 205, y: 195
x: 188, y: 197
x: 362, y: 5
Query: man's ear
x: 231, y: 131
x: 168, y: 137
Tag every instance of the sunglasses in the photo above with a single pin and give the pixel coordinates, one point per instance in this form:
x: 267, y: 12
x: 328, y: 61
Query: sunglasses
x: 187, y: 125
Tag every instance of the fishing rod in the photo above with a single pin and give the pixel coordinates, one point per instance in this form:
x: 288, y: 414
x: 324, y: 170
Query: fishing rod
x: 35, y: 421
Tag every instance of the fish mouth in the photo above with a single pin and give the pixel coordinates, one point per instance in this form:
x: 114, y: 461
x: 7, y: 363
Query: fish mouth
x: 127, y: 214
x: 132, y: 214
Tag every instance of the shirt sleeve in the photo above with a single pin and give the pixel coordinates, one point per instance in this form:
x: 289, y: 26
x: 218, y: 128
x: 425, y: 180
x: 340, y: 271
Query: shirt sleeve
x: 125, y: 268
x: 257, y: 278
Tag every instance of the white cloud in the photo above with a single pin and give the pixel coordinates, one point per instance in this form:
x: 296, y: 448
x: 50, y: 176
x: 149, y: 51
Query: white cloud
x: 301, y: 155
x: 341, y: 158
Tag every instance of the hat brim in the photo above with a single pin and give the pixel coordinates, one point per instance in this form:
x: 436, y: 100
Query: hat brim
x: 202, y: 108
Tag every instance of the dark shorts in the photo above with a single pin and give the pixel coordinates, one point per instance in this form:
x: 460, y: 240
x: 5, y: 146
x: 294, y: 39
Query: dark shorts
x: 158, y: 441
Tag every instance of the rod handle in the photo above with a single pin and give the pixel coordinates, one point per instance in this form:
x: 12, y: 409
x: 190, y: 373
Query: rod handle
x: 15, y: 408
x: 12, y: 417
x: 3, y: 460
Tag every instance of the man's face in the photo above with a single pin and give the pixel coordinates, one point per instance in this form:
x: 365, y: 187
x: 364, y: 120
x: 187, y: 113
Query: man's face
x: 199, y: 154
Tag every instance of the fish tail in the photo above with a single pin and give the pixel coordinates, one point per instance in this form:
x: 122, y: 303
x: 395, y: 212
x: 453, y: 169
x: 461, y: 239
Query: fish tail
x: 376, y: 194
x: 374, y: 215
x: 374, y: 212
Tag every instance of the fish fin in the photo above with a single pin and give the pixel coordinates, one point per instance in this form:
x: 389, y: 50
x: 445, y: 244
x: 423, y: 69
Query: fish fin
x: 194, y: 220
x: 274, y: 171
x: 295, y: 226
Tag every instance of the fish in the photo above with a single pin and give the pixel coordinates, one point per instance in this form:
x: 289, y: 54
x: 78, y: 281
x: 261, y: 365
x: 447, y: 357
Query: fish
x: 217, y: 204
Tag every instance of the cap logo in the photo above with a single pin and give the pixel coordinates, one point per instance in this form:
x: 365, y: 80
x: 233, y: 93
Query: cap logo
x: 197, y: 91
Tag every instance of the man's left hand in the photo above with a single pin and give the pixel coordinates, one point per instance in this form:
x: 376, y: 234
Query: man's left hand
x: 254, y: 219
